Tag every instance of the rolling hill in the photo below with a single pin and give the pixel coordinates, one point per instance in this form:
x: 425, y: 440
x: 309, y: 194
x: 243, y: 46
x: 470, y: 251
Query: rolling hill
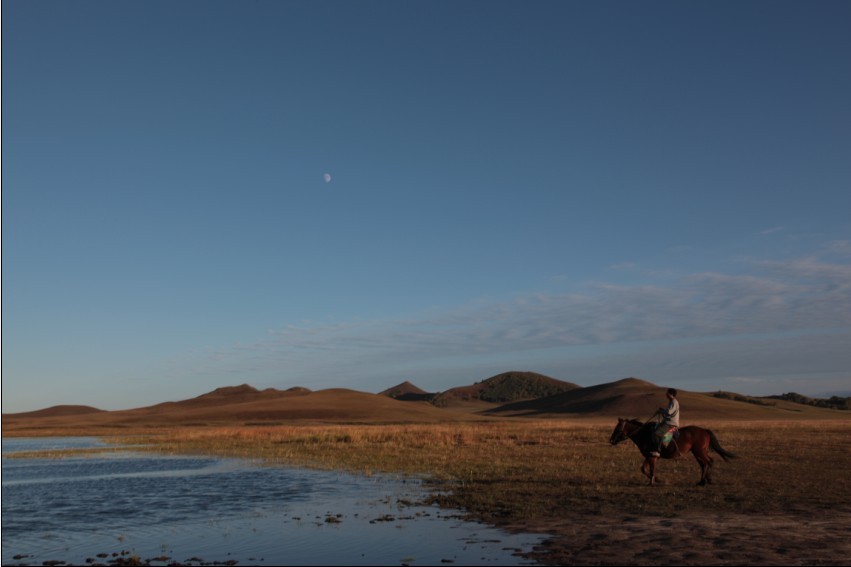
x: 231, y: 395
x: 406, y: 403
x: 506, y: 387
x: 635, y: 398
x: 407, y: 392
x: 243, y: 406
x: 60, y: 411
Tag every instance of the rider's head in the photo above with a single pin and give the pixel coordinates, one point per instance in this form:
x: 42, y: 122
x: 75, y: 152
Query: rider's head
x: 671, y: 392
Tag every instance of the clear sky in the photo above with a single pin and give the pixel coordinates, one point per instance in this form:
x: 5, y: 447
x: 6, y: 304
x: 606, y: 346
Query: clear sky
x: 198, y: 194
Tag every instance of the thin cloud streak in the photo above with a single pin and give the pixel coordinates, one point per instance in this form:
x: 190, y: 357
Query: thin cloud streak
x: 738, y: 314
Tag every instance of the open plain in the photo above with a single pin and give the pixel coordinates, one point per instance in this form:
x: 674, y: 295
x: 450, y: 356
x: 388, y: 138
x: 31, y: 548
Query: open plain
x: 783, y: 501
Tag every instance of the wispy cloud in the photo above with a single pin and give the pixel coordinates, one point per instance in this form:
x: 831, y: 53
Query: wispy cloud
x: 840, y: 247
x: 777, y: 300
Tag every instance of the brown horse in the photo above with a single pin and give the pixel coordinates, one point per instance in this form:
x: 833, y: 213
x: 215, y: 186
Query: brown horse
x: 691, y: 438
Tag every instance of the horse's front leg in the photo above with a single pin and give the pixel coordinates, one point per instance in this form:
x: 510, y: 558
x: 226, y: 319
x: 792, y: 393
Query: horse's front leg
x: 645, y: 469
x: 652, y: 461
x: 648, y: 469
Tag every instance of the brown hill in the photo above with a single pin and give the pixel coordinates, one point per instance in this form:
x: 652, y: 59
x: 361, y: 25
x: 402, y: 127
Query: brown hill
x: 57, y: 411
x: 333, y: 405
x: 624, y: 397
x: 245, y: 405
x: 242, y: 406
x: 407, y: 392
x: 229, y: 395
x: 506, y: 387
x: 635, y: 398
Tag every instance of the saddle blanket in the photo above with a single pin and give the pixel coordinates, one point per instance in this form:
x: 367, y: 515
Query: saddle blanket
x: 669, y: 436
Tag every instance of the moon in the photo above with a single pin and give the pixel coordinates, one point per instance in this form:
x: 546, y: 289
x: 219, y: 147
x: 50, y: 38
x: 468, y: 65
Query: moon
x: 327, y: 178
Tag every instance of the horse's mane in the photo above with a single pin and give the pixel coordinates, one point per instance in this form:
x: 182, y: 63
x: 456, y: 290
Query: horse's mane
x: 639, y: 425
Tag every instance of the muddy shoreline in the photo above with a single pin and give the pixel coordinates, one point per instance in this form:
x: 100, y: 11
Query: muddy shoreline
x: 816, y: 538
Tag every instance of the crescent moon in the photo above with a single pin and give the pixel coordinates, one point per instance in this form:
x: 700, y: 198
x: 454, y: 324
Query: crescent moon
x: 327, y: 177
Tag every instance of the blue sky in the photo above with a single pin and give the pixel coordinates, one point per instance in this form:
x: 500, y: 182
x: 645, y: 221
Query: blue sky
x: 591, y: 190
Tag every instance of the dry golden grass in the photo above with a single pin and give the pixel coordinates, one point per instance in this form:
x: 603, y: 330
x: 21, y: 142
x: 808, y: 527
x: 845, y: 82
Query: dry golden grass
x: 513, y: 471
x: 785, y: 500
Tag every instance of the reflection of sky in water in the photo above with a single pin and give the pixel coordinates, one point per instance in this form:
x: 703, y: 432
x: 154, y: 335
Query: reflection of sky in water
x: 220, y: 509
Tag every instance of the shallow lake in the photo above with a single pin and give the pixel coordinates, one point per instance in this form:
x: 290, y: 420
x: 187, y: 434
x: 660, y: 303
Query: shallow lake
x: 198, y: 510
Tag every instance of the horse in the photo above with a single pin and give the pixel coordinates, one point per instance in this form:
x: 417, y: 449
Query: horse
x: 691, y: 438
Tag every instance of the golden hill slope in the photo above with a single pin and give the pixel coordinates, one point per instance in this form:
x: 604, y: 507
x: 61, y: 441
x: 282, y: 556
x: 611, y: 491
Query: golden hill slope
x: 635, y: 398
x: 245, y: 405
x: 59, y: 411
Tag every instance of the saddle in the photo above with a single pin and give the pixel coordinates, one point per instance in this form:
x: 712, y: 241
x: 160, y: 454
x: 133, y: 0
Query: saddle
x: 673, y: 433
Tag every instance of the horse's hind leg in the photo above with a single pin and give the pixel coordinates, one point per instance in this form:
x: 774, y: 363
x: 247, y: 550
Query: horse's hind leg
x: 705, y: 462
x: 708, y: 474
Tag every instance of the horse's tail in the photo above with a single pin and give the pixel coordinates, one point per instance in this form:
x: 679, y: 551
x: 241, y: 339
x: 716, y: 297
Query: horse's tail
x: 716, y: 446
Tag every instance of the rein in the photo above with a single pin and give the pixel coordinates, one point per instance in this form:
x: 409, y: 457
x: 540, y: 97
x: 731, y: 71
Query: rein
x: 637, y: 429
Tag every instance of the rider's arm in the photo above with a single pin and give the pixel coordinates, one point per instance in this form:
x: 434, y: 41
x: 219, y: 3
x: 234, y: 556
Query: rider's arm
x: 666, y: 412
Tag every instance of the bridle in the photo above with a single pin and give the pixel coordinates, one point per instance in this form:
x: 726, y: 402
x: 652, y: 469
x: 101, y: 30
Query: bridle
x: 623, y: 436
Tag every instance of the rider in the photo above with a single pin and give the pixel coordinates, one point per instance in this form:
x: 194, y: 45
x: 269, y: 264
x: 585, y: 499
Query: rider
x: 670, y: 420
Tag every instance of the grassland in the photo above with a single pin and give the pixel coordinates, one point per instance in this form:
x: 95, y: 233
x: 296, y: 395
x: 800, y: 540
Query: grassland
x: 543, y: 465
x: 564, y: 478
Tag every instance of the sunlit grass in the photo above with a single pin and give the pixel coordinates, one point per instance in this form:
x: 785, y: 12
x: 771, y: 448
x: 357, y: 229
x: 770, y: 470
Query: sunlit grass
x: 75, y: 453
x: 519, y: 470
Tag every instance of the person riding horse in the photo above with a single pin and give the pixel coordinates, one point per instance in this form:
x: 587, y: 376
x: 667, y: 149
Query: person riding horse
x: 670, y: 420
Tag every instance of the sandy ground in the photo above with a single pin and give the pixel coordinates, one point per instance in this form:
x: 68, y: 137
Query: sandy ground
x: 820, y: 538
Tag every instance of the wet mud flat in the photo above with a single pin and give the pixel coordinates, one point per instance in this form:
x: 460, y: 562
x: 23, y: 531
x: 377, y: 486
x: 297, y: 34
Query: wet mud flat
x: 126, y: 557
x: 126, y: 508
x: 699, y: 539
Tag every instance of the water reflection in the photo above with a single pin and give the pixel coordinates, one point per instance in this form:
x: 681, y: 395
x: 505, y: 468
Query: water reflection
x: 222, y: 509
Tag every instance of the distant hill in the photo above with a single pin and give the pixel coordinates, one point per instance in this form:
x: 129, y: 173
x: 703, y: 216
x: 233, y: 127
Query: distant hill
x: 407, y: 392
x: 231, y: 395
x: 59, y: 411
x: 627, y: 397
x: 243, y: 405
x: 636, y: 398
x: 505, y: 387
x: 332, y: 405
x: 527, y: 392
x: 834, y: 402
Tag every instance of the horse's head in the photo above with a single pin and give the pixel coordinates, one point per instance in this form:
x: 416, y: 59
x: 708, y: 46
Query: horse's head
x: 619, y: 434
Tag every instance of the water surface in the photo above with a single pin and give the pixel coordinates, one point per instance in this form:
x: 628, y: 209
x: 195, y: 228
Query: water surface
x: 213, y: 509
